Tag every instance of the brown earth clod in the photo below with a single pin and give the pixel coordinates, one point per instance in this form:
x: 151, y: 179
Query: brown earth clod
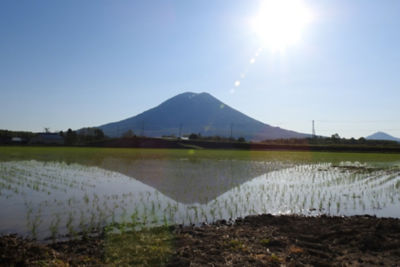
x: 263, y: 240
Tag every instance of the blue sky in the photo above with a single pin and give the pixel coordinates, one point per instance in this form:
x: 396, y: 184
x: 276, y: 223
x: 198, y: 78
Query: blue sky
x: 71, y: 64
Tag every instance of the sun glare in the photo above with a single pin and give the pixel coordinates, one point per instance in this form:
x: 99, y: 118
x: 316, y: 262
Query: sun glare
x: 280, y: 23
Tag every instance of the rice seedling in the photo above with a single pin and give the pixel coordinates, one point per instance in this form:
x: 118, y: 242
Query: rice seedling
x: 273, y: 182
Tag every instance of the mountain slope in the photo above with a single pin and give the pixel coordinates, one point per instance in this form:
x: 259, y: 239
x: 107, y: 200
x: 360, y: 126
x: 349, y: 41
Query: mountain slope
x: 197, y: 113
x: 382, y: 136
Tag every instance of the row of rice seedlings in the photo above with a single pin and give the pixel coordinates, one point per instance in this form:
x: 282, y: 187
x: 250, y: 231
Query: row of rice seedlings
x: 37, y: 181
x: 291, y: 190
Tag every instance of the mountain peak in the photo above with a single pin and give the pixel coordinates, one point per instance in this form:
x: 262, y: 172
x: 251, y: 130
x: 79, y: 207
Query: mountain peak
x: 188, y: 99
x: 190, y: 95
x: 202, y: 113
x: 186, y: 94
x: 382, y: 136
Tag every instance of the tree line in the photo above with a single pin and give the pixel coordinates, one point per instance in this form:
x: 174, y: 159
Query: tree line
x: 70, y: 137
x: 335, y: 139
x: 218, y: 138
x: 83, y: 136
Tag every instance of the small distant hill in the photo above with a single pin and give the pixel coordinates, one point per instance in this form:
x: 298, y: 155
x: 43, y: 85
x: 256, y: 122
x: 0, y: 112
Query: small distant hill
x: 382, y: 136
x: 201, y: 113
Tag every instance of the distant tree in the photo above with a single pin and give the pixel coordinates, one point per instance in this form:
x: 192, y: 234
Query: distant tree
x: 128, y: 134
x: 241, y: 139
x: 216, y: 138
x: 193, y: 136
x: 71, y: 138
x: 362, y: 140
x: 88, y: 135
x: 98, y: 134
x: 335, y: 138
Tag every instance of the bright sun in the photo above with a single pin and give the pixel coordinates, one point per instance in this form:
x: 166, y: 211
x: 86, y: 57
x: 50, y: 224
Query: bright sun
x: 280, y: 23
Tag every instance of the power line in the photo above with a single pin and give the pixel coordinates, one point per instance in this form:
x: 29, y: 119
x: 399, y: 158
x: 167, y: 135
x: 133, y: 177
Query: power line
x: 358, y: 121
x: 142, y: 128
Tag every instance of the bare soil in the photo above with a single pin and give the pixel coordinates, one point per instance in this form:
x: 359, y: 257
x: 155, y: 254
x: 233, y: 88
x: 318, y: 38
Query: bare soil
x: 263, y: 240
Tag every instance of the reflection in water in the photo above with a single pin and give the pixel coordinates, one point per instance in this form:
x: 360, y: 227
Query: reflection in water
x: 184, y: 179
x: 43, y: 199
x: 191, y: 181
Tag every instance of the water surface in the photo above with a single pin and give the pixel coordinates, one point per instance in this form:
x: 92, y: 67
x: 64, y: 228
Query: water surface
x: 59, y: 191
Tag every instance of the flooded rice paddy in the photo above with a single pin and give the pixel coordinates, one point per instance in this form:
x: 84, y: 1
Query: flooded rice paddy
x: 48, y: 193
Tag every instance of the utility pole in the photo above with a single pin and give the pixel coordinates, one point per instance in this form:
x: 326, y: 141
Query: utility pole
x: 180, y: 131
x: 231, y: 130
x: 142, y: 128
x: 313, y: 129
